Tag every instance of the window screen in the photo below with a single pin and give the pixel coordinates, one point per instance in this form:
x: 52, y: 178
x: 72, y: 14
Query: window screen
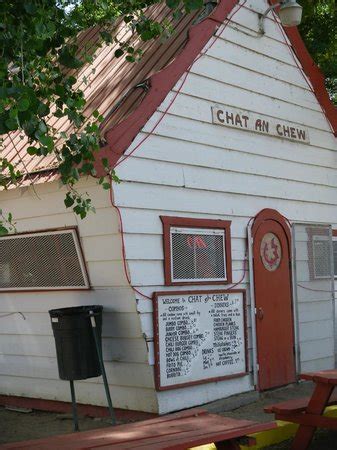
x: 39, y: 261
x: 321, y: 256
x: 334, y: 244
x: 198, y: 254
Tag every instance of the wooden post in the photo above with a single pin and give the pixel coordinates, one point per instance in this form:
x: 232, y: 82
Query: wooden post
x: 317, y: 404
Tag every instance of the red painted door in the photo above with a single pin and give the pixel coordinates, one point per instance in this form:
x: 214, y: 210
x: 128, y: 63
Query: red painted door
x: 273, y: 300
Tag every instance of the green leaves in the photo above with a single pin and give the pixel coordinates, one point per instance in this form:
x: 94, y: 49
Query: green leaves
x: 42, y: 128
x: 47, y: 141
x: 319, y: 31
x: 32, y: 150
x: 119, y: 52
x: 69, y: 200
x: 107, y: 37
x: 80, y: 204
x: 11, y: 124
x: 3, y: 230
x: 23, y: 104
x: 30, y: 8
x: 173, y: 4
x: 67, y: 57
x: 190, y: 5
x: 149, y: 29
x: 6, y: 223
x: 42, y: 110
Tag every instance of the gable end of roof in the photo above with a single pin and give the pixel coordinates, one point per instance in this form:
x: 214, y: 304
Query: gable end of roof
x: 313, y: 72
x: 120, y: 137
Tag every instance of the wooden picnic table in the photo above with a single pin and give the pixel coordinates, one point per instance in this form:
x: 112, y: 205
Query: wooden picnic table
x: 308, y: 412
x: 176, y: 431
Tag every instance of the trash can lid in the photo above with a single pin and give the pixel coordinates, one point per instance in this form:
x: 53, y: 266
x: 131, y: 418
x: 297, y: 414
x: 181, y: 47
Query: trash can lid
x: 75, y: 310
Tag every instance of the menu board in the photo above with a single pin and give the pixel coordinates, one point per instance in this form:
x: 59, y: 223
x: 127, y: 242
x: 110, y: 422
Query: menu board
x: 199, y: 336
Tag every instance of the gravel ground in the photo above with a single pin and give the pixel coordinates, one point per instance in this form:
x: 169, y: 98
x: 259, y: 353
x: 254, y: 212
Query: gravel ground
x: 323, y: 440
x: 18, y: 426
x: 326, y: 440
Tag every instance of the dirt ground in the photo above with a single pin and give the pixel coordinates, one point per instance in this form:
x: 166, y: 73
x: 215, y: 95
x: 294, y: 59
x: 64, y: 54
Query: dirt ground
x: 323, y: 440
x: 18, y: 426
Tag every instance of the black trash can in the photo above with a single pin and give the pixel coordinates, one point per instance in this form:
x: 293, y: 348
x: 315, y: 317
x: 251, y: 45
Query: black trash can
x: 77, y: 356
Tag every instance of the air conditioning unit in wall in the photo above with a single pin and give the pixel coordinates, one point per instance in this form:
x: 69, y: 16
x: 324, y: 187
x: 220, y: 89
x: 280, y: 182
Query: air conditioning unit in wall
x: 47, y: 260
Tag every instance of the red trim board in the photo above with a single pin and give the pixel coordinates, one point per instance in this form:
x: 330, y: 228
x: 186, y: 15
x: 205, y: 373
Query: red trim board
x: 313, y: 72
x: 65, y: 407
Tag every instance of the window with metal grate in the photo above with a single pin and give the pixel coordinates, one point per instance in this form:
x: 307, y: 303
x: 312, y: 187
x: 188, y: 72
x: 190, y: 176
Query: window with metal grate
x: 47, y: 260
x: 197, y: 251
x: 321, y: 256
x: 198, y: 254
x: 319, y: 251
x: 334, y: 248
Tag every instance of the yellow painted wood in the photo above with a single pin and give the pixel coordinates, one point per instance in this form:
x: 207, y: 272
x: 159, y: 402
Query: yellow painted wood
x: 204, y: 447
x: 284, y: 431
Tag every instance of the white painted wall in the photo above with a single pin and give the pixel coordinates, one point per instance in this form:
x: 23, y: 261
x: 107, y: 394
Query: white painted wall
x: 193, y: 168
x: 314, y: 303
x: 28, y: 365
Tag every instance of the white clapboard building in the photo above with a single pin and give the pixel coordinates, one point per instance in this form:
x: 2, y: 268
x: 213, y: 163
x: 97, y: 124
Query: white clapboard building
x: 213, y: 258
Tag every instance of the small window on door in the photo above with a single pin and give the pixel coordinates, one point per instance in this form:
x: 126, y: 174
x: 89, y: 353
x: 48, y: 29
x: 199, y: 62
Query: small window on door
x: 197, y: 251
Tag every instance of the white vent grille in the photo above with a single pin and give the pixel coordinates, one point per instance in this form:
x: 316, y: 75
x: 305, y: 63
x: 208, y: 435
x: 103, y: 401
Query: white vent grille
x: 39, y: 261
x: 321, y: 253
x: 198, y: 255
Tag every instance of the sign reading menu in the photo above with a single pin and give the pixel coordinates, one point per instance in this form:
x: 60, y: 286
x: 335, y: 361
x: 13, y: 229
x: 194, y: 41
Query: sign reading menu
x: 199, y: 336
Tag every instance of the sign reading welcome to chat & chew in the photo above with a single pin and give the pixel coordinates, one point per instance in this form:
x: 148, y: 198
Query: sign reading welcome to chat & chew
x: 199, y: 336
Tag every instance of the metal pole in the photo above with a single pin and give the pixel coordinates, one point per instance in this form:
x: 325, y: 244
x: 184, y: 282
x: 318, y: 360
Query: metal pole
x: 73, y: 401
x: 252, y: 304
x: 332, y: 273
x: 295, y: 298
x: 101, y: 363
x: 263, y: 16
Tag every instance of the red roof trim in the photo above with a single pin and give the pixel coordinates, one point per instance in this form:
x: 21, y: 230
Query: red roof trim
x: 315, y: 76
x: 313, y: 72
x: 120, y: 137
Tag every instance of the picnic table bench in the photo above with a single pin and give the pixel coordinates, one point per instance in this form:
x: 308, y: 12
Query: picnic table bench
x: 296, y: 405
x: 176, y: 431
x: 308, y: 411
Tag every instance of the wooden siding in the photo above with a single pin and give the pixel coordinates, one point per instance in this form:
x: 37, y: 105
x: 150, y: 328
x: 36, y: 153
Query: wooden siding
x: 192, y: 168
x: 27, y: 348
x: 126, y: 397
